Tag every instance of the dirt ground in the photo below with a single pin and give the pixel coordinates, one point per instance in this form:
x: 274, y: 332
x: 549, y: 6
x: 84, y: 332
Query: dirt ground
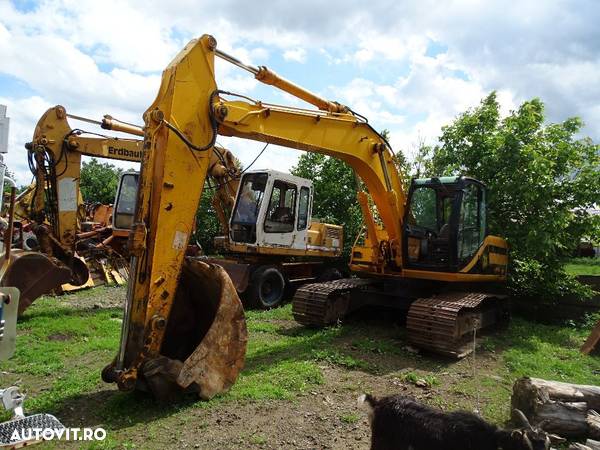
x: 324, y: 416
x: 327, y: 417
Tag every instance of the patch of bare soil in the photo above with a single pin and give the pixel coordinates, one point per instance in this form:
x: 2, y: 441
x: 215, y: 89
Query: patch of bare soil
x: 59, y: 337
x: 94, y: 298
x: 327, y: 417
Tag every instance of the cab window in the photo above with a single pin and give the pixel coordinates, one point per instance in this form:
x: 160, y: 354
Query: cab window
x: 250, y: 197
x: 303, y: 208
x: 471, y: 225
x: 423, y: 207
x: 281, y: 214
x: 125, y: 203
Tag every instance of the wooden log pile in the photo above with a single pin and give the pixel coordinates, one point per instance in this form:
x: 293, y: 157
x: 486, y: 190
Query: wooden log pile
x: 589, y: 445
x: 567, y: 410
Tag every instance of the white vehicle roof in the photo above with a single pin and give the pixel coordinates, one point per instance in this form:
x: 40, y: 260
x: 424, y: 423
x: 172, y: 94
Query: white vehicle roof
x: 284, y: 176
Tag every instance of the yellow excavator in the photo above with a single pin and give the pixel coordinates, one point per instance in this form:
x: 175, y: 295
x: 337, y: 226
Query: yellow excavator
x: 427, y: 250
x: 52, y: 211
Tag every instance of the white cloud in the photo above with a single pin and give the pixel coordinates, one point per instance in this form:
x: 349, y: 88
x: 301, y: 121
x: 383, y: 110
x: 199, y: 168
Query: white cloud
x: 22, y: 113
x: 296, y: 54
x: 106, y: 57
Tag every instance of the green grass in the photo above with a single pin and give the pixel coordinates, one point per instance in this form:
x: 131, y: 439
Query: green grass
x: 529, y: 349
x: 548, y: 351
x: 583, y: 266
x: 258, y: 439
x: 63, y: 347
x: 350, y: 418
x: 61, y: 350
x: 424, y: 380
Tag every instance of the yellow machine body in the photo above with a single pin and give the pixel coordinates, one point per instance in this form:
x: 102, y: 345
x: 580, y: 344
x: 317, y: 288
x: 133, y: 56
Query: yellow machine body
x: 181, y: 127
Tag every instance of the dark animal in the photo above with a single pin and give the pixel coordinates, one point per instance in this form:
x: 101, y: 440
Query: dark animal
x: 402, y: 423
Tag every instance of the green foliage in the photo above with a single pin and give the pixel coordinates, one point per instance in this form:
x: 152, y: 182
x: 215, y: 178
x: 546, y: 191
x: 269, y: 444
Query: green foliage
x: 402, y: 164
x: 99, y: 181
x: 540, y: 177
x: 207, y: 223
x: 334, y: 193
x: 349, y: 418
x: 422, y: 165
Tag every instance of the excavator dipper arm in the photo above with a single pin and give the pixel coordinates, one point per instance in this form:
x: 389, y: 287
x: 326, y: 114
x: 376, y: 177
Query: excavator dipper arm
x: 184, y: 326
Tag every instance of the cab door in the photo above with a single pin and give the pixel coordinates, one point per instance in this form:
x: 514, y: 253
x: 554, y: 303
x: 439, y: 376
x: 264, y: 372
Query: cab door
x: 303, y: 219
x: 471, y: 222
x: 279, y: 225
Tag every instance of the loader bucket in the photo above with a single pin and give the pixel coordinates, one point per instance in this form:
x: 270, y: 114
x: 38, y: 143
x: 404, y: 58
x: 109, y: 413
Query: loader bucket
x: 205, y: 341
x: 34, y: 274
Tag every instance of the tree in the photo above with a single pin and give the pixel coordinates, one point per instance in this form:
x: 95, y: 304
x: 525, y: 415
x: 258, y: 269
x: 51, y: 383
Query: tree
x: 540, y: 178
x: 334, y: 199
x: 99, y: 181
x: 207, y: 223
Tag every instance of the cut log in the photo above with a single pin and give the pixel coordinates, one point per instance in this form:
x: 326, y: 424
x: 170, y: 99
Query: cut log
x: 579, y: 447
x: 591, y: 343
x: 593, y: 422
x: 589, y: 445
x: 561, y: 408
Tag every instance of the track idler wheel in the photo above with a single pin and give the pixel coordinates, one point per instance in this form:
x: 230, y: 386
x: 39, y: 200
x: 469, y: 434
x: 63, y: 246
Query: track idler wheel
x: 206, y: 337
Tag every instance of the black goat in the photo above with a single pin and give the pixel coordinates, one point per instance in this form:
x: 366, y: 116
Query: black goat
x: 402, y: 423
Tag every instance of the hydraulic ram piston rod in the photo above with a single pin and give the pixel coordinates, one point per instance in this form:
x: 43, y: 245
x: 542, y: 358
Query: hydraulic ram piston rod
x: 267, y: 76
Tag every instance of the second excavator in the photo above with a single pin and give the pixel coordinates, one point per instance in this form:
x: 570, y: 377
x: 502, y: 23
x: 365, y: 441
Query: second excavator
x: 58, y: 252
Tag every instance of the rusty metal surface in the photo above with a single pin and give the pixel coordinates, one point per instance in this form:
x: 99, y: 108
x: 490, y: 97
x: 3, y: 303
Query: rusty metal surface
x: 205, y: 342
x: 445, y: 323
x: 34, y: 274
x: 238, y: 272
x: 321, y: 304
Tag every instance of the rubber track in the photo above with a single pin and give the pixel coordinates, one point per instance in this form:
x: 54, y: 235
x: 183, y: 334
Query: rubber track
x: 433, y: 322
x: 315, y: 303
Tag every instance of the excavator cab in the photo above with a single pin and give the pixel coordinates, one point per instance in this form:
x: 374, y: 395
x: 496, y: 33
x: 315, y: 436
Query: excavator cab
x: 272, y: 209
x: 445, y: 223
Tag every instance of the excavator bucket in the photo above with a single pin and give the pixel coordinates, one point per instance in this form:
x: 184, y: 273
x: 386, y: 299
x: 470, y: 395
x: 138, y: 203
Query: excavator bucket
x: 34, y: 274
x: 205, y: 342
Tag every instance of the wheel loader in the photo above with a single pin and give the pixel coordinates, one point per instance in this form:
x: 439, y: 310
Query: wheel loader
x: 427, y: 251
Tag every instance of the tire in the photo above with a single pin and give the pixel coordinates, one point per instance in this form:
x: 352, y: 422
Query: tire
x: 267, y: 288
x: 330, y: 274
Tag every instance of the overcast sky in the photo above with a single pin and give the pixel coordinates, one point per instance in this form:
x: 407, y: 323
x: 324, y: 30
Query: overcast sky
x: 409, y: 66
